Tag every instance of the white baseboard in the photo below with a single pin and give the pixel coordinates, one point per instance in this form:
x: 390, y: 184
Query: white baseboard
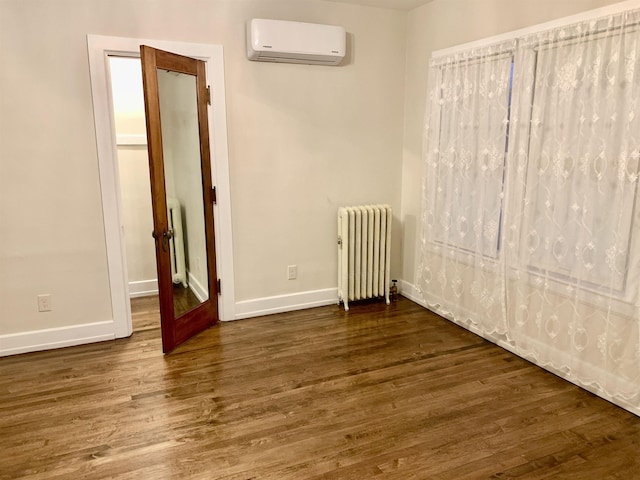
x: 143, y: 288
x: 286, y: 303
x: 196, y: 287
x: 409, y: 291
x: 146, y: 288
x: 50, y: 338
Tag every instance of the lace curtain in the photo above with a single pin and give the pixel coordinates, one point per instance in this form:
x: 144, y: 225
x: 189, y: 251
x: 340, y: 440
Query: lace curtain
x: 531, y: 213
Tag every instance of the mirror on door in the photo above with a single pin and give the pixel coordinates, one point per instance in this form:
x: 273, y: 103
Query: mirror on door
x: 186, y: 238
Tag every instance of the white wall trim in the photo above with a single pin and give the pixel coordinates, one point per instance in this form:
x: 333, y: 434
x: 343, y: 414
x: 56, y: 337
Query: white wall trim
x: 560, y: 22
x: 50, y: 338
x: 286, y: 303
x: 143, y: 288
x: 196, y: 287
x: 100, y: 48
x: 410, y: 291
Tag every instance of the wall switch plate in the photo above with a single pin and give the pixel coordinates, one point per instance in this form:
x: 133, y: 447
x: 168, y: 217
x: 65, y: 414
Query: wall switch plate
x: 44, y: 303
x: 292, y: 272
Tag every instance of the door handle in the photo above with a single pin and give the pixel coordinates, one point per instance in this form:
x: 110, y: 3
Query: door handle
x: 166, y: 236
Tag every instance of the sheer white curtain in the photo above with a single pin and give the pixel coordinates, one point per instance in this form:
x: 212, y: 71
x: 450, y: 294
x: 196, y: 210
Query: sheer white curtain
x: 564, y: 278
x: 460, y: 273
x: 573, y: 226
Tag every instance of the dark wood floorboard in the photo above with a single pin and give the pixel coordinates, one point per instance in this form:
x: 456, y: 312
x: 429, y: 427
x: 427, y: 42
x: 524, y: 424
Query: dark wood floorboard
x: 379, y: 392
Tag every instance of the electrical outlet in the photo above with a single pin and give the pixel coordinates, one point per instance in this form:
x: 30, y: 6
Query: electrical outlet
x: 292, y: 272
x: 44, y: 303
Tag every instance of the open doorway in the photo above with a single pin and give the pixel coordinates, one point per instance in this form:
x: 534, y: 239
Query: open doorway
x: 100, y: 49
x: 135, y: 191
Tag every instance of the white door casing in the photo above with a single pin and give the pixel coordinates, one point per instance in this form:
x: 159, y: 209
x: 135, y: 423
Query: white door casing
x: 100, y: 48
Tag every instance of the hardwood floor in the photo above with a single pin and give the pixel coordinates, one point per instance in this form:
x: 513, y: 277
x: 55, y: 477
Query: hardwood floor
x: 378, y: 392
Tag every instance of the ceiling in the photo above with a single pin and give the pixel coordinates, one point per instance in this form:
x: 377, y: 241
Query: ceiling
x: 395, y: 4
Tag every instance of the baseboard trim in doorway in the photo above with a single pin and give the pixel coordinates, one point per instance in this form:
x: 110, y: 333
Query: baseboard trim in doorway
x: 143, y: 288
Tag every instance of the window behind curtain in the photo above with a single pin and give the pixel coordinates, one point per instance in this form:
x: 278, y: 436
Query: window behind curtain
x: 579, y: 198
x: 468, y: 155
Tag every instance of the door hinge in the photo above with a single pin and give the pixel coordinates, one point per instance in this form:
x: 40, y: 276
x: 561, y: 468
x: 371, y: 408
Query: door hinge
x: 214, y: 196
x: 219, y: 287
x: 209, y: 94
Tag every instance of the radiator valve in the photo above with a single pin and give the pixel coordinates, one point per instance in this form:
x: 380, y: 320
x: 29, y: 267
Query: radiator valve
x: 393, y: 290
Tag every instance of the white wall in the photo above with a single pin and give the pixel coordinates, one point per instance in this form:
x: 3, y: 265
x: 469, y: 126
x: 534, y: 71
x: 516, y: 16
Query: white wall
x: 303, y: 140
x: 441, y: 24
x: 133, y: 164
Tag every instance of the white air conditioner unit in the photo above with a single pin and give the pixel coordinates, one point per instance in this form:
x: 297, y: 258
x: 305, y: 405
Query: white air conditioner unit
x: 295, y: 42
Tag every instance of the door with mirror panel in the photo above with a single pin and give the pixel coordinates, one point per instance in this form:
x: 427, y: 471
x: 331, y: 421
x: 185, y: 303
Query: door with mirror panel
x: 176, y: 102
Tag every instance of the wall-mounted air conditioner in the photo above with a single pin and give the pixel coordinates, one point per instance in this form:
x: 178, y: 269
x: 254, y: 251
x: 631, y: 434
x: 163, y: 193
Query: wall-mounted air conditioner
x: 295, y: 42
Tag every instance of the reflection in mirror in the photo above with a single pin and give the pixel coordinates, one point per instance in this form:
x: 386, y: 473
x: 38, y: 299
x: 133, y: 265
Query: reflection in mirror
x: 183, y: 182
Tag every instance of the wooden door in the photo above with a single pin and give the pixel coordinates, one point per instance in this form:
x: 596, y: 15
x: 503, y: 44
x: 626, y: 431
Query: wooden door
x: 176, y: 103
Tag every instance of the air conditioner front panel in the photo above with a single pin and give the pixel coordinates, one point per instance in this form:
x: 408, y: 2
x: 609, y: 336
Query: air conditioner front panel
x: 295, y: 42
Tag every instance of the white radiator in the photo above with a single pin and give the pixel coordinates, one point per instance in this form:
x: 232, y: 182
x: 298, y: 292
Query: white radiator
x: 364, y: 251
x: 176, y: 242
